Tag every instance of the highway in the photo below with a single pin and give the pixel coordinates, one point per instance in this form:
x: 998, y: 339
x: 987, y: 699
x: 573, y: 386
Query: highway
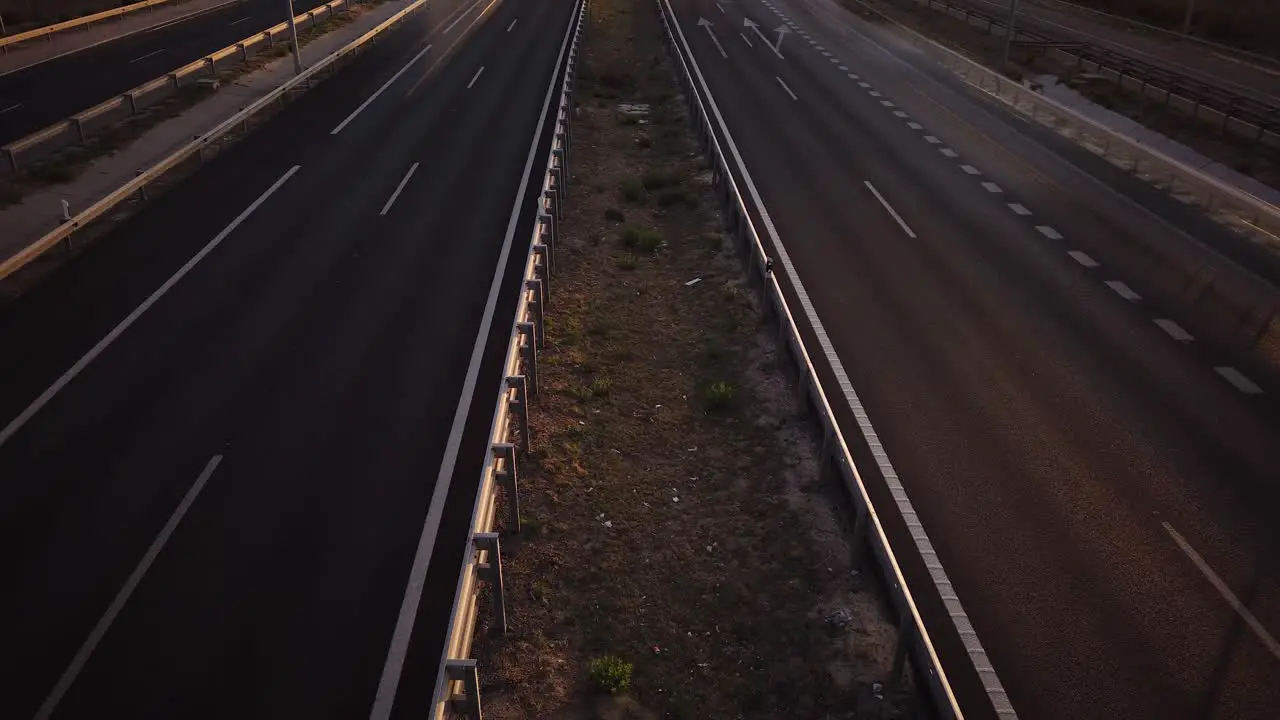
x: 40, y: 95
x: 1094, y: 464
x: 223, y: 427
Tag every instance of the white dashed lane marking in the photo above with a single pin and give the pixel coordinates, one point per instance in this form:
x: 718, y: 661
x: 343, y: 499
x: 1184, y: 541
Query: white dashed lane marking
x: 1123, y: 290
x: 900, y: 114
x: 1083, y: 258
x: 971, y: 170
x: 1049, y: 232
x: 949, y: 152
x: 1237, y: 378
x: 992, y: 187
x: 1019, y: 209
x: 1174, y: 330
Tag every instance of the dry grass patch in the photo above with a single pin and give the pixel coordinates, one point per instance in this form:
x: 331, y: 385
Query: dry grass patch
x: 682, y: 558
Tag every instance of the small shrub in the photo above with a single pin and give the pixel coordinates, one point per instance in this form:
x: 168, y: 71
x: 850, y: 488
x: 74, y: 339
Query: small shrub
x: 611, y: 674
x: 628, y: 262
x: 646, y: 239
x: 719, y: 396
x: 601, y: 387
x: 615, y: 215
x: 711, y: 241
x: 672, y: 198
x: 632, y: 190
x: 658, y: 179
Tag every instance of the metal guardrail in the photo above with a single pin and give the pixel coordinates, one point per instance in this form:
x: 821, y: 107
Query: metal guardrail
x: 1175, y: 35
x: 1234, y: 113
x: 80, y: 127
x: 47, y: 31
x: 197, y: 147
x: 1246, y: 213
x: 457, y: 688
x: 913, y: 634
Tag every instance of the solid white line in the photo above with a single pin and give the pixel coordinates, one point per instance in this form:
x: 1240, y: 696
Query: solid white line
x: 746, y: 39
x: 721, y: 8
x: 1224, y: 591
x: 382, y: 89
x: 971, y: 170
x: 1237, y: 378
x: 1083, y: 258
x: 113, y: 610
x: 457, y: 20
x: 391, y: 200
x: 901, y: 223
x: 475, y: 77
x: 1019, y: 209
x: 1123, y: 290
x: 1175, y: 331
x: 513, y: 24
x: 16, y: 424
x: 385, y: 697
x: 237, y: 22
x: 784, y: 87
x: 1049, y: 232
x: 10, y: 108
x: 949, y: 152
x: 992, y: 187
x: 144, y: 57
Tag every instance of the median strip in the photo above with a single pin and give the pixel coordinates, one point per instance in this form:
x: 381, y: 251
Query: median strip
x: 681, y: 555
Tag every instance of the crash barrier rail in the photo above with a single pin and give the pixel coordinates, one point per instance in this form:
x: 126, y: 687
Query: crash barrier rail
x: 457, y: 688
x: 914, y: 637
x: 1231, y: 112
x: 48, y: 31
x: 80, y: 127
x: 1250, y: 215
x: 1171, y: 34
x: 197, y: 148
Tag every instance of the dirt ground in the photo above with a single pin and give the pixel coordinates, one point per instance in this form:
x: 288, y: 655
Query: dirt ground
x: 674, y: 517
x: 1253, y: 159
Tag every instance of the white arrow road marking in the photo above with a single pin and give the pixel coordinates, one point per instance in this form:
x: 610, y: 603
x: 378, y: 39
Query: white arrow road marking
x: 755, y: 28
x: 707, y: 24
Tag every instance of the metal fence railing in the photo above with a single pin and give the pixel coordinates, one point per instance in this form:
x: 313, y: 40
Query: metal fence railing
x: 457, y: 689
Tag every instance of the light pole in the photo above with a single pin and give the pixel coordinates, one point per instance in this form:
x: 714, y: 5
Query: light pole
x: 293, y: 37
x: 1186, y: 19
x: 1008, y: 36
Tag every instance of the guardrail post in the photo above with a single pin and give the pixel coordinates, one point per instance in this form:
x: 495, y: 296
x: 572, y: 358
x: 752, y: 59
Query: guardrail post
x: 544, y: 240
x: 535, y: 285
x: 905, y: 635
x: 508, y: 478
x: 543, y: 267
x: 466, y: 672
x: 142, y: 191
x: 859, y: 534
x: 548, y: 227
x: 561, y: 167
x: 521, y: 404
x: 491, y: 574
x: 529, y: 352
x: 550, y: 195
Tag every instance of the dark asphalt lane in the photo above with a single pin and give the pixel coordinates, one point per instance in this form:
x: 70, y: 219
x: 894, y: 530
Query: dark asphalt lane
x: 63, y: 86
x: 320, y: 349
x: 1045, y: 429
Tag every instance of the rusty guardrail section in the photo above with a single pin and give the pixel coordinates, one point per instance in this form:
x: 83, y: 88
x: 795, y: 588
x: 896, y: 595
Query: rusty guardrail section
x: 80, y: 127
x: 457, y: 690
x: 198, y: 147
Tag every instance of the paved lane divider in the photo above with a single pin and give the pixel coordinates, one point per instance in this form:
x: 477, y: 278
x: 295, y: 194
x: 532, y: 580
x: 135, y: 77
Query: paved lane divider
x: 457, y: 687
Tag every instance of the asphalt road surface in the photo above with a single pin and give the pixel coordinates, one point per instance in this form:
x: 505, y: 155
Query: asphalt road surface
x: 1099, y: 481
x: 40, y: 95
x: 249, y: 462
